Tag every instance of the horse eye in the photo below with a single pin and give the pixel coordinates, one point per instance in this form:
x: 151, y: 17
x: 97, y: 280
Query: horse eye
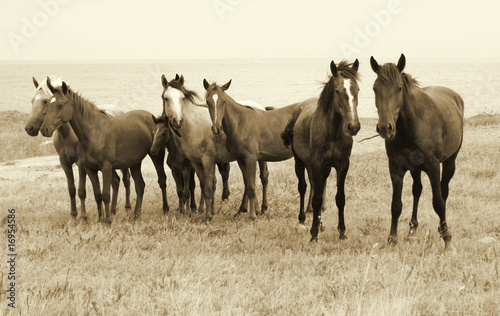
x: 60, y: 106
x: 399, y: 89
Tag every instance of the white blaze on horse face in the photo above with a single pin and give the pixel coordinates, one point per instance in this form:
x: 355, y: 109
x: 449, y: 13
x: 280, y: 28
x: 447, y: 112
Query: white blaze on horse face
x: 53, y: 100
x: 174, y: 97
x: 215, y: 97
x: 347, y: 86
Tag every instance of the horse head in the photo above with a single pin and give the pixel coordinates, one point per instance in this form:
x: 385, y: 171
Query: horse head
x: 388, y: 88
x: 215, y: 98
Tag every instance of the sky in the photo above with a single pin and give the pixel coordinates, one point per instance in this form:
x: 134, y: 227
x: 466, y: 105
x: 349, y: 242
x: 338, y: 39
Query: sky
x: 250, y: 29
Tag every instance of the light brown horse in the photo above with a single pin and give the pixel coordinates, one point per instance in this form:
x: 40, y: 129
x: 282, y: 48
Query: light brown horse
x: 320, y: 131
x: 422, y: 128
x: 181, y: 168
x: 106, y: 143
x: 65, y: 143
x: 191, y: 124
x: 252, y: 135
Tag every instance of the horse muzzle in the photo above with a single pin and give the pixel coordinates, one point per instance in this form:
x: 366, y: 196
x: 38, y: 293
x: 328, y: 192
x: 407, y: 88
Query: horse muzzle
x: 386, y: 130
x: 46, y: 131
x: 352, y: 129
x: 216, y: 130
x: 31, y: 130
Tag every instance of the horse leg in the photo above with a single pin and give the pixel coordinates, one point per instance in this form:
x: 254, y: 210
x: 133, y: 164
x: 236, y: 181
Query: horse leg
x: 397, y: 175
x: 158, y: 161
x: 139, y: 189
x: 107, y: 178
x: 244, y: 200
x: 205, y: 173
x: 177, y: 175
x: 94, y: 179
x: 201, y: 204
x: 340, y: 197
x: 82, y: 190
x: 224, y: 172
x: 192, y: 187
x: 319, y: 176
x: 126, y: 183
x: 416, y: 191
x: 115, y: 185
x: 70, y: 179
x: 264, y: 179
x: 433, y: 171
x: 249, y: 175
x: 302, y: 187
x: 311, y: 191
x: 448, y: 172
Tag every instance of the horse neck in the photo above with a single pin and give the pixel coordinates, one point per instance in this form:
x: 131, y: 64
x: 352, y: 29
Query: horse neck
x: 233, y: 112
x: 85, y: 117
x: 409, y: 111
x: 65, y: 131
x: 332, y: 120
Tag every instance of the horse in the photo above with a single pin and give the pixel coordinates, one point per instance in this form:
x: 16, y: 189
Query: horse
x: 252, y: 135
x: 181, y: 168
x: 320, y: 132
x: 65, y: 143
x: 106, y: 143
x: 191, y: 125
x: 422, y: 128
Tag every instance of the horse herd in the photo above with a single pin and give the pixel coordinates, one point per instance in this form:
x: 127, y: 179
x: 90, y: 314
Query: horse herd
x: 422, y: 128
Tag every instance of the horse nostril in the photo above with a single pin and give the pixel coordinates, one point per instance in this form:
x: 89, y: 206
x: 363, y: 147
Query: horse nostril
x: 349, y: 126
x: 389, y: 127
x: 378, y: 129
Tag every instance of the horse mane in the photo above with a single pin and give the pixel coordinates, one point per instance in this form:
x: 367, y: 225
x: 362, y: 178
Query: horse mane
x: 87, y: 108
x: 347, y: 72
x: 190, y: 95
x: 389, y: 73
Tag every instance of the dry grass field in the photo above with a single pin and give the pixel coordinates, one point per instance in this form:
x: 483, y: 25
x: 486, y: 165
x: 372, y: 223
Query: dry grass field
x: 176, y: 265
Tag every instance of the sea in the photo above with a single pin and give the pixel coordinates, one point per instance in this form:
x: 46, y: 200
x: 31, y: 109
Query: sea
x: 270, y: 82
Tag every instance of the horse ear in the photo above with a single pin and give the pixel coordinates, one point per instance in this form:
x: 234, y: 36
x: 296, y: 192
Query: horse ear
x: 176, y: 76
x: 374, y: 64
x: 35, y: 82
x: 49, y: 85
x: 226, y: 86
x: 181, y: 80
x: 334, y: 70
x: 355, y: 65
x: 164, y: 81
x: 401, y: 63
x: 64, y: 87
x: 155, y: 120
x: 205, y: 84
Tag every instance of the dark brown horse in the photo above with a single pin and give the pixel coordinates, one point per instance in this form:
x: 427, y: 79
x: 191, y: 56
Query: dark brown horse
x: 252, y: 136
x: 65, y: 143
x: 181, y: 168
x: 422, y: 128
x: 106, y: 143
x: 320, y: 132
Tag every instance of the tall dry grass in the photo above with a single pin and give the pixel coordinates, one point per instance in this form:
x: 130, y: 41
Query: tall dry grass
x: 183, y: 266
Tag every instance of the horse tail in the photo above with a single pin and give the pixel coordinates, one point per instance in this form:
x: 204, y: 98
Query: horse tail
x: 269, y: 108
x: 287, y: 134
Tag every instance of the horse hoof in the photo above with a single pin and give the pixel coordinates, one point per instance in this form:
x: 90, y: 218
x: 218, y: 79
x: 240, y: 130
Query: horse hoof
x: 342, y: 236
x: 107, y: 221
x: 314, y: 239
x: 412, y: 232
x: 392, y: 240
x: 252, y: 217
